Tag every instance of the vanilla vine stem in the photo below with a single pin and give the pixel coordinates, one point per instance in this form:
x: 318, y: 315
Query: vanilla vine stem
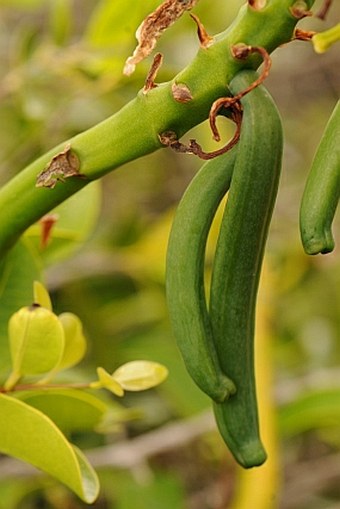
x: 135, y: 130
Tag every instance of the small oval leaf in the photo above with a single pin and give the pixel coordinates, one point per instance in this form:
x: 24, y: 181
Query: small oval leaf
x: 36, y: 340
x: 75, y: 342
x: 140, y: 375
x: 29, y: 435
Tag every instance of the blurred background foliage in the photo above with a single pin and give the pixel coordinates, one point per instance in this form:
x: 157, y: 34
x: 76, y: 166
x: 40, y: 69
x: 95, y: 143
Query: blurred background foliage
x: 61, y: 72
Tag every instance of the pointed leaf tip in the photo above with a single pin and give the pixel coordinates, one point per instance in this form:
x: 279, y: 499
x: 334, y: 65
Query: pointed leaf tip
x: 41, y: 295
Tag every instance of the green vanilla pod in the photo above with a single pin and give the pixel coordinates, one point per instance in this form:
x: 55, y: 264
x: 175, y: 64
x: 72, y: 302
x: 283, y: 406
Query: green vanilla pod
x: 185, y: 275
x: 322, y: 191
x: 237, y: 265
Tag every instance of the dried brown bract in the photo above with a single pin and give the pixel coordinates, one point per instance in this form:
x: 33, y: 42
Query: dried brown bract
x: 205, y: 39
x: 47, y: 222
x: 181, y: 93
x: 63, y: 165
x: 152, y: 28
x: 150, y: 79
x: 303, y: 35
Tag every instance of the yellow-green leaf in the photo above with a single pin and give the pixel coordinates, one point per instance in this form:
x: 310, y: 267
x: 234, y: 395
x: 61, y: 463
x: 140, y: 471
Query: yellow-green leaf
x: 36, y: 339
x: 75, y: 342
x: 140, y: 375
x: 70, y: 409
x: 29, y: 435
x: 313, y: 409
x: 41, y: 295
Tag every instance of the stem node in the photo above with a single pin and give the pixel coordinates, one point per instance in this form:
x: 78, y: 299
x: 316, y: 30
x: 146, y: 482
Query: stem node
x: 257, y: 4
x: 300, y: 10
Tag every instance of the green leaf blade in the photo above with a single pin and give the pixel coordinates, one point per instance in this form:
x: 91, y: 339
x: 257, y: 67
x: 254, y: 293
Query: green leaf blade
x: 31, y: 436
x: 70, y: 409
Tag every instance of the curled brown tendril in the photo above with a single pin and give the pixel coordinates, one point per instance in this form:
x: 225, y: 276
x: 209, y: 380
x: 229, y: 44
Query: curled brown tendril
x: 240, y: 51
x: 169, y: 139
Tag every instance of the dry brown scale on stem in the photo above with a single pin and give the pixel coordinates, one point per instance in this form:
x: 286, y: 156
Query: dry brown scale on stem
x: 151, y: 76
x: 63, y: 165
x: 205, y: 39
x: 303, y: 35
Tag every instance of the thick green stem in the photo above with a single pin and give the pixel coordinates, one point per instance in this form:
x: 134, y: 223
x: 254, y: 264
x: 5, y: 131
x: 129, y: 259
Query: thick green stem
x: 133, y: 131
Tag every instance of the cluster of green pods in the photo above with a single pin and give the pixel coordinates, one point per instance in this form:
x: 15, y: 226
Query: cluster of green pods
x: 217, y: 339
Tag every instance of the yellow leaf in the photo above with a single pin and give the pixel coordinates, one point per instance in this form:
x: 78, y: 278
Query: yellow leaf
x: 29, y: 435
x: 36, y: 340
x: 75, y: 342
x: 140, y: 375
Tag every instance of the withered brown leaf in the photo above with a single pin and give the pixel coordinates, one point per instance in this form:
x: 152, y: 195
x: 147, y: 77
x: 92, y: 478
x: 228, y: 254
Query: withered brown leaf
x: 152, y: 28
